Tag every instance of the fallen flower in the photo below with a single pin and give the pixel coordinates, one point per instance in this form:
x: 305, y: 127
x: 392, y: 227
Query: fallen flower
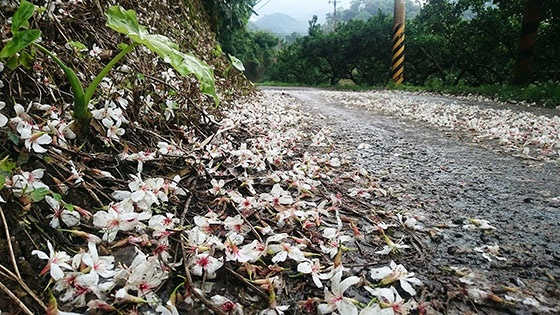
x: 56, y: 261
x: 393, y: 273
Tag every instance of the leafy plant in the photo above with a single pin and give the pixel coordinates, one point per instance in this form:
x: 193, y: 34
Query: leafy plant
x: 122, y: 21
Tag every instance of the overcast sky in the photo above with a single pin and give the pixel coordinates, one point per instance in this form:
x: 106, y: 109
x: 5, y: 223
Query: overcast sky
x: 299, y: 9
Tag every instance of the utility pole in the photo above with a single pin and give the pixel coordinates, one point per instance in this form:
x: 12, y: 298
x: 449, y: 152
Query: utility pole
x: 334, y: 13
x: 397, y: 63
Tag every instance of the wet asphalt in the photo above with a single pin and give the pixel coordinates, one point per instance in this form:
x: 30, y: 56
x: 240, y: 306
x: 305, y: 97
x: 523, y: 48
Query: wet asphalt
x: 446, y: 179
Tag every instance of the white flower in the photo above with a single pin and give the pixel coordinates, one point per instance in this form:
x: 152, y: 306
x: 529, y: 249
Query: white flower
x: 313, y: 268
x: 217, y: 186
x: 285, y: 250
x: 335, y: 297
x: 375, y: 309
x: 36, y: 140
x: 100, y: 266
x: 169, y: 309
x: 56, y: 261
x: 205, y: 262
x: 490, y: 250
x: 278, y: 196
x: 95, y: 51
x: 248, y: 253
x: 3, y: 119
x: 70, y: 218
x: 114, y: 130
x: 390, y: 301
x: 395, y: 272
x: 478, y: 223
x: 236, y: 224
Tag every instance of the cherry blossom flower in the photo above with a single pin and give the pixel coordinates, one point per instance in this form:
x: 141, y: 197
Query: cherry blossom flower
x: 478, y: 223
x: 335, y: 297
x: 391, y: 246
x: 26, y: 182
x: 394, y: 272
x: 217, y: 186
x: 56, y: 261
x: 226, y: 305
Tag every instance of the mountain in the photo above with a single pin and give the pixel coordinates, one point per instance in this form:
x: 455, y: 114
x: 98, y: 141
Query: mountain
x: 279, y: 24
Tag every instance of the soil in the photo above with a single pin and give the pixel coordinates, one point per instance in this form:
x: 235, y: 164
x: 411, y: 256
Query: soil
x: 446, y: 179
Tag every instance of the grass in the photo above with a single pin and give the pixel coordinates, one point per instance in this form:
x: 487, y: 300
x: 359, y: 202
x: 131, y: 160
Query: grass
x: 544, y: 94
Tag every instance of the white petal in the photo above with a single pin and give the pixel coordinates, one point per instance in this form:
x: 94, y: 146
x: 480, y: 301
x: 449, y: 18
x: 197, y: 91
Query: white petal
x: 407, y: 287
x: 70, y: 218
x: 346, y: 308
x: 40, y: 254
x: 380, y: 273
x: 56, y: 272
x: 344, y: 285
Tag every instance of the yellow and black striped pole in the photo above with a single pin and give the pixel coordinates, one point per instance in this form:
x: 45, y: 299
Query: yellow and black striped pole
x: 397, y: 63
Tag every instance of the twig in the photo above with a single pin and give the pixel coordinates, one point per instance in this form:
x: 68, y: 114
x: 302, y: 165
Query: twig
x: 248, y: 283
x: 195, y: 292
x: 16, y: 276
x: 15, y: 298
x: 249, y: 223
x: 9, y: 241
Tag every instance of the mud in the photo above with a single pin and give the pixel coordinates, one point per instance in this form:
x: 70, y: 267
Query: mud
x: 447, y: 179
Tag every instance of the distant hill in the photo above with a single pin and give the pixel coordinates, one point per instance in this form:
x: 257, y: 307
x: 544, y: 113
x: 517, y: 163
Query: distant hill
x: 279, y: 24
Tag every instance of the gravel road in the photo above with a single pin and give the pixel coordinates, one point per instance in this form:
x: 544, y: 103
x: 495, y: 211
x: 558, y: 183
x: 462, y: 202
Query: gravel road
x: 447, y: 179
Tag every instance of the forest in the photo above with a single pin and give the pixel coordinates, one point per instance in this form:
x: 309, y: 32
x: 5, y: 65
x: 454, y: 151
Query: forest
x: 453, y: 45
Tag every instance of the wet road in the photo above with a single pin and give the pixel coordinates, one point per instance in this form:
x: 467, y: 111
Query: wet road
x: 447, y: 179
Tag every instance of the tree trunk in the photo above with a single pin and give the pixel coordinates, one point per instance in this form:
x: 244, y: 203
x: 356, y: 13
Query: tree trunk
x: 527, y: 41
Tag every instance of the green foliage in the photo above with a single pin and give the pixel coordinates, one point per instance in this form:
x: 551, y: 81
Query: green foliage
x: 122, y: 21
x: 227, y: 18
x: 125, y: 22
x: 450, y: 45
x: 255, y: 50
x: 7, y: 165
x: 20, y: 39
x: 39, y: 194
x: 21, y: 16
x: 236, y: 63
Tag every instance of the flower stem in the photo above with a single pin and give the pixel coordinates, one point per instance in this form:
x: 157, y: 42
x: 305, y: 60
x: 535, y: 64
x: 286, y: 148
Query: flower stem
x: 93, y: 85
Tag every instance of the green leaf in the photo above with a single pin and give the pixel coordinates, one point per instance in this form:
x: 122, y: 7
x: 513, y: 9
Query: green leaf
x: 69, y: 207
x: 2, y: 180
x: 56, y: 196
x: 77, y: 46
x: 22, y: 16
x: 39, y: 194
x: 237, y: 64
x: 19, y: 42
x: 26, y: 60
x: 122, y: 46
x: 125, y: 21
x: 12, y: 63
x: 7, y: 165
